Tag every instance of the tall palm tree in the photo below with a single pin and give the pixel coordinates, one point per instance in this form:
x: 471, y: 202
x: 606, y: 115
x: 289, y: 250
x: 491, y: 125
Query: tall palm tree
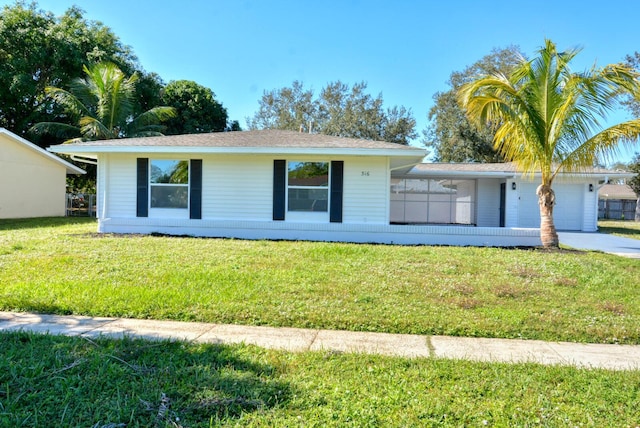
x: 550, y: 118
x: 101, y: 106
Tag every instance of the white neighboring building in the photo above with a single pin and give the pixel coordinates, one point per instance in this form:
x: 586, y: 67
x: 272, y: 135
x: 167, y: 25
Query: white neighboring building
x: 32, y: 180
x: 287, y: 185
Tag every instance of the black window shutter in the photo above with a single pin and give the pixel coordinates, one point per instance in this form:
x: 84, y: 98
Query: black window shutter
x: 142, y: 199
x: 279, y: 188
x: 337, y: 180
x: 195, y: 183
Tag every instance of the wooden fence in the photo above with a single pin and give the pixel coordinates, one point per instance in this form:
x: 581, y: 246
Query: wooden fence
x: 616, y: 209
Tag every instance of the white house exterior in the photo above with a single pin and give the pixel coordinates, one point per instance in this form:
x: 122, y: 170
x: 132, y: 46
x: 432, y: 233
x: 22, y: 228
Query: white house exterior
x: 287, y: 185
x: 32, y: 180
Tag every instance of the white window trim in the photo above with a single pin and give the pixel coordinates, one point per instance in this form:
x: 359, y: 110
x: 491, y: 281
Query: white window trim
x: 179, y: 213
x: 308, y: 216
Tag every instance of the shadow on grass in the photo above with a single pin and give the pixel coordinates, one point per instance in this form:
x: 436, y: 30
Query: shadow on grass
x: 132, y: 382
x: 619, y: 230
x: 36, y: 223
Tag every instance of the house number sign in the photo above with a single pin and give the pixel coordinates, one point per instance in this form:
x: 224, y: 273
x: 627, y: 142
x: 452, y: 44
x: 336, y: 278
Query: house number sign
x: 364, y: 174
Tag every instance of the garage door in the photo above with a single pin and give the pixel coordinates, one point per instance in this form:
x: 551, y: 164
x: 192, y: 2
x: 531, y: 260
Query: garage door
x: 567, y: 214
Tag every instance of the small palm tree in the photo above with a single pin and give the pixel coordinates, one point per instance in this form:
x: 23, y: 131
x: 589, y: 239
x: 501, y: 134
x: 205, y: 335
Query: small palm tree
x: 100, y: 107
x: 550, y: 118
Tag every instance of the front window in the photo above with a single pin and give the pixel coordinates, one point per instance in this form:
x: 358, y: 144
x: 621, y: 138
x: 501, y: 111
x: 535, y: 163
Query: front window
x: 169, y: 183
x: 308, y: 186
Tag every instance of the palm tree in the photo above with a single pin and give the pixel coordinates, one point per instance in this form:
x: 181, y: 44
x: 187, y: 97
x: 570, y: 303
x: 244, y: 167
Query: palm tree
x: 550, y: 118
x: 101, y: 106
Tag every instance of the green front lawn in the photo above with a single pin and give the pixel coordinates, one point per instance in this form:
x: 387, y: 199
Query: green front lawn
x: 61, y: 266
x: 62, y: 381
x: 627, y: 229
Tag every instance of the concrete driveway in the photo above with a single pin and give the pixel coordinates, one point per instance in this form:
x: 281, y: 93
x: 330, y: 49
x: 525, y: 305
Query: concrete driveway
x: 595, y: 241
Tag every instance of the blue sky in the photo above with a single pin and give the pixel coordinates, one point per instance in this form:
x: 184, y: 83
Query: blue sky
x: 404, y: 49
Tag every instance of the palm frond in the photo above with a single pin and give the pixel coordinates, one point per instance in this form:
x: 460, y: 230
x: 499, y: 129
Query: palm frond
x: 55, y: 129
x: 67, y: 100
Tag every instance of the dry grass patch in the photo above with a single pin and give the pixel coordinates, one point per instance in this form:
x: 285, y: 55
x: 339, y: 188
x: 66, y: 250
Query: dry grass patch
x: 613, y: 307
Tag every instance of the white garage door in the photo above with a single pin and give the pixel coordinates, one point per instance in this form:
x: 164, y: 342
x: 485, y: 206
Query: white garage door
x: 567, y: 214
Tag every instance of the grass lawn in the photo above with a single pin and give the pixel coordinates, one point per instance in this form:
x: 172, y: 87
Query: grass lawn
x: 62, y: 381
x: 61, y: 266
x: 628, y: 229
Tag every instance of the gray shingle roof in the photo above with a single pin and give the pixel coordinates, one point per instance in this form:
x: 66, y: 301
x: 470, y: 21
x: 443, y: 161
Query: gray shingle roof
x: 247, y: 139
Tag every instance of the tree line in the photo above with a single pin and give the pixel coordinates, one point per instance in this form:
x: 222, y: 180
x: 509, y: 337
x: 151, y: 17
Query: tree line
x: 39, y: 51
x: 59, y: 74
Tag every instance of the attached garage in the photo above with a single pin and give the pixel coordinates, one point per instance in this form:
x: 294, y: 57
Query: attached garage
x: 568, y: 213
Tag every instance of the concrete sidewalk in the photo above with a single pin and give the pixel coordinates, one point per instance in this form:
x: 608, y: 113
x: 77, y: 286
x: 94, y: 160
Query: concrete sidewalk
x: 614, y: 357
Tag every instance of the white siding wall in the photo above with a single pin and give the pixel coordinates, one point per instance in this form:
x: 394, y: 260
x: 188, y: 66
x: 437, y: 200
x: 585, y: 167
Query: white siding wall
x: 121, y: 187
x: 512, y: 206
x: 366, y: 191
x: 488, y: 198
x: 590, y: 219
x: 528, y: 209
x: 241, y: 187
x: 237, y: 188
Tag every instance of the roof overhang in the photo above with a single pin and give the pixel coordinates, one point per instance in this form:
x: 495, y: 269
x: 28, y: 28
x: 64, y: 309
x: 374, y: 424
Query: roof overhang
x: 504, y: 171
x: 94, y: 151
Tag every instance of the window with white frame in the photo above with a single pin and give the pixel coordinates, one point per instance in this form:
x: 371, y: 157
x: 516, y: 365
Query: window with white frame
x: 169, y: 183
x: 308, y: 186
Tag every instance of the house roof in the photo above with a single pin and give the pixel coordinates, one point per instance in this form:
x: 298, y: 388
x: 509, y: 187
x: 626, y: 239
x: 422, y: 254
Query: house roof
x: 71, y: 169
x: 616, y: 191
x: 496, y: 170
x: 262, y: 141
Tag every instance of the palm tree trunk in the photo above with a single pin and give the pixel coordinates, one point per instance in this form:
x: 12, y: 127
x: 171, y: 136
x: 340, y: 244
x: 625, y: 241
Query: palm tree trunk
x: 637, y: 216
x: 546, y: 200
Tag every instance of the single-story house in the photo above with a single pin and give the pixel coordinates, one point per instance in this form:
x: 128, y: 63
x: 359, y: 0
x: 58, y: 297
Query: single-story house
x: 616, y: 201
x: 273, y: 184
x: 32, y: 180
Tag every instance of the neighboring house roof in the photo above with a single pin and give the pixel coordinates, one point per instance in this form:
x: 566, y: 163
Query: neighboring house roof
x: 71, y: 169
x: 617, y: 191
x: 498, y: 170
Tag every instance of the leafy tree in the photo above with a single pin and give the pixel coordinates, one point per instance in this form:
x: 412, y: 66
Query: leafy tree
x: 632, y: 103
x: 549, y: 118
x: 340, y: 110
x: 450, y: 134
x: 291, y: 109
x: 197, y: 110
x: 100, y: 107
x: 634, y: 166
x: 39, y: 50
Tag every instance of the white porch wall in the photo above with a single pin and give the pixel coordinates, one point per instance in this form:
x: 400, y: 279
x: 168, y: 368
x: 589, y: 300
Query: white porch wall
x: 488, y: 198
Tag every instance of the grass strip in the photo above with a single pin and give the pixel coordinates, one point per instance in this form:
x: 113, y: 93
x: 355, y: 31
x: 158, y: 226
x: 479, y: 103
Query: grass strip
x: 61, y: 266
x: 63, y: 381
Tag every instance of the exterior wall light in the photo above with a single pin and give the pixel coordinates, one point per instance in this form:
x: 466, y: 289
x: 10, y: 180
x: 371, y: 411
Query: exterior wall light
x: 591, y: 187
x: 513, y: 186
